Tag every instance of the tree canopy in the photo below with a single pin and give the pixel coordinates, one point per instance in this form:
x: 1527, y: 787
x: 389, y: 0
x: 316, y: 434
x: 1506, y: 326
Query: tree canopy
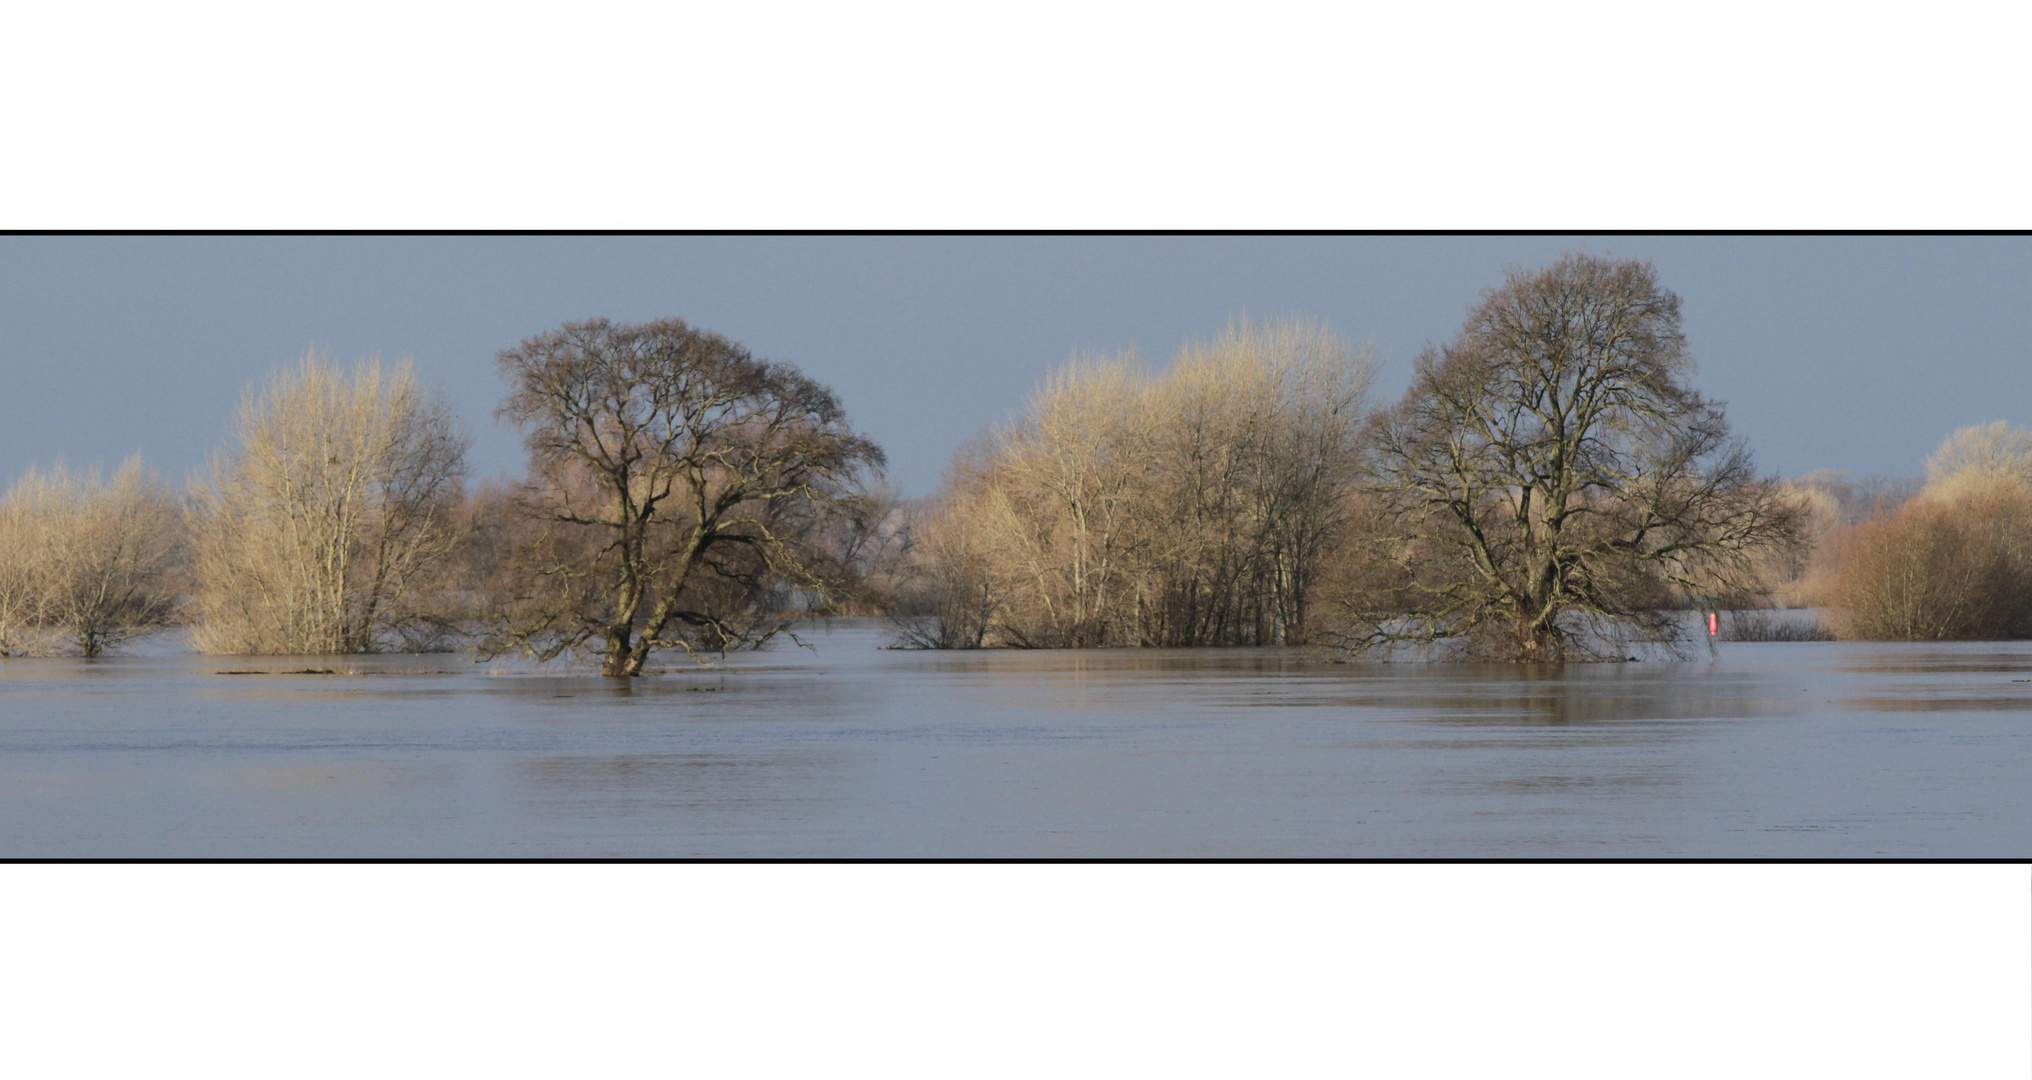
x: 1550, y: 484
x: 673, y: 479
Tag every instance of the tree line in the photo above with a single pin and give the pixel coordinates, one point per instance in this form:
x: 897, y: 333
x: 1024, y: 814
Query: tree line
x: 681, y: 494
x: 1551, y: 487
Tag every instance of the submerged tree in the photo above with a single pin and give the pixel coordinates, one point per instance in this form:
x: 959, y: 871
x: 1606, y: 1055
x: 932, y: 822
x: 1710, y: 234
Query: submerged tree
x: 1256, y: 436
x: 1195, y: 507
x: 328, y: 529
x: 1550, y: 483
x: 674, y: 481
x: 85, y: 564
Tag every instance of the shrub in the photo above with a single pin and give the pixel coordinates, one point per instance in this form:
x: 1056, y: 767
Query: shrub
x: 1950, y: 565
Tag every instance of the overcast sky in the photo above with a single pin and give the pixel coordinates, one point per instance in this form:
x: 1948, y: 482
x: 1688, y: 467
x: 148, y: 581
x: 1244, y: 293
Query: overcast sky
x: 1853, y: 353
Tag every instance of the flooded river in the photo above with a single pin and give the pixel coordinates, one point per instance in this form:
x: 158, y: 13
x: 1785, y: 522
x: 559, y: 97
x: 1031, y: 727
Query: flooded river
x: 848, y: 749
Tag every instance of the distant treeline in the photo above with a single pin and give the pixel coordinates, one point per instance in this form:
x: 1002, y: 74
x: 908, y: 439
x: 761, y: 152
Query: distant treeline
x: 1549, y: 488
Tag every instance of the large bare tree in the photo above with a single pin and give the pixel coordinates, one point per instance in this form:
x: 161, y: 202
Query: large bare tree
x: 674, y: 478
x: 1551, y: 484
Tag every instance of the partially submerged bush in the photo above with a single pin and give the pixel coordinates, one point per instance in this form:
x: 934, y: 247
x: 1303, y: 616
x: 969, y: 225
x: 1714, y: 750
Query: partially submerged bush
x: 1952, y: 565
x: 85, y: 564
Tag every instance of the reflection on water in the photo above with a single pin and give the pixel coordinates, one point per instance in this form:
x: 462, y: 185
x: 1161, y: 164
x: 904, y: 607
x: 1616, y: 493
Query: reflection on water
x: 851, y: 750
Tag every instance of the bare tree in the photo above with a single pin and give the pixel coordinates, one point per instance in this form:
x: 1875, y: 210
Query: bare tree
x: 1193, y: 508
x: 329, y: 529
x: 85, y: 563
x: 863, y: 541
x: 1794, y: 573
x: 1979, y: 454
x: 1550, y: 481
x: 1059, y: 503
x: 951, y: 598
x: 674, y: 479
x: 1256, y: 459
x: 23, y: 589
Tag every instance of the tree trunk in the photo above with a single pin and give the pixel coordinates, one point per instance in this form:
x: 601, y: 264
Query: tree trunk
x: 621, y: 657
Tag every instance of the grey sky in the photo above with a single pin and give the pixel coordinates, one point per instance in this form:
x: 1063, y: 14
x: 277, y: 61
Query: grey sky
x: 1856, y: 353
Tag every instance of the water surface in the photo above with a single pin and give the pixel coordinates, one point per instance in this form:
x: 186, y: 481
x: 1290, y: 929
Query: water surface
x: 848, y: 749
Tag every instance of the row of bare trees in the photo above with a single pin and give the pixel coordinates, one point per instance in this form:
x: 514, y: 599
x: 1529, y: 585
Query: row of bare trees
x: 682, y: 494
x: 326, y: 529
x: 1549, y: 488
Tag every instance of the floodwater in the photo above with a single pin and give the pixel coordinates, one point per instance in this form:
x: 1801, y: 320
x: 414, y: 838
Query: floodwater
x: 846, y: 749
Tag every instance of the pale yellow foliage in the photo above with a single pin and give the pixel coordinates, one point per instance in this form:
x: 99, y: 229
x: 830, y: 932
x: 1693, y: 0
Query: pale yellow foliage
x: 1975, y: 456
x: 85, y: 563
x: 318, y: 533
x: 1193, y: 507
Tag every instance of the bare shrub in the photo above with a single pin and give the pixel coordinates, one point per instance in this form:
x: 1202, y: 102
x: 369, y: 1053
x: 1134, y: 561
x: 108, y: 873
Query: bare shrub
x: 1758, y: 625
x: 1955, y: 564
x: 329, y: 528
x: 85, y: 564
x: 1953, y: 561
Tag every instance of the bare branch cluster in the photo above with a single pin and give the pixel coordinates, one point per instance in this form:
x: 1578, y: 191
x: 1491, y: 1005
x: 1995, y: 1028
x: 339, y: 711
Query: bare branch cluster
x: 86, y: 564
x: 330, y: 527
x: 1193, y: 508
